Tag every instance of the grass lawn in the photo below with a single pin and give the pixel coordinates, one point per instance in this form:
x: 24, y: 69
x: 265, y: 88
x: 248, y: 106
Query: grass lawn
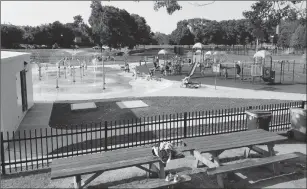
x: 108, y: 110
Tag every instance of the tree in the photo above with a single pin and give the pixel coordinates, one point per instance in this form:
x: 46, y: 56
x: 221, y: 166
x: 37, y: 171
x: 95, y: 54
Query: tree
x: 99, y: 27
x: 141, y: 30
x: 117, y: 28
x: 298, y: 38
x: 161, y: 38
x: 28, y: 37
x: 61, y: 34
x: 268, y: 14
x: 170, y: 5
x: 11, y: 35
x: 287, y: 28
x: 182, y: 34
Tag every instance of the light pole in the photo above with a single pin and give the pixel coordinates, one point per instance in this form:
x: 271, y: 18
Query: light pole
x: 103, y: 73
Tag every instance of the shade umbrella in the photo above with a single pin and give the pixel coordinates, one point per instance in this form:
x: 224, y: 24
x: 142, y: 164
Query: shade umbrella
x: 262, y: 54
x: 197, y: 46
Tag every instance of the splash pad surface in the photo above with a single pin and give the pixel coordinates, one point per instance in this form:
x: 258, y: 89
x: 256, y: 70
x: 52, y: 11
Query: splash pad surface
x: 85, y: 82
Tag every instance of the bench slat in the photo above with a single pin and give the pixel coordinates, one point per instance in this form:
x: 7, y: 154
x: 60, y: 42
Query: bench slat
x: 104, y: 157
x: 92, y: 168
x: 152, y: 183
x: 250, y: 163
x: 245, y: 136
x: 208, y: 146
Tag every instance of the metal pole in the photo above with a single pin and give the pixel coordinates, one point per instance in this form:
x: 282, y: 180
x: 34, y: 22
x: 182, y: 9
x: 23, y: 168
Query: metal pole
x: 59, y: 71
x: 74, y: 79
x: 280, y: 71
x: 103, y: 73
x: 103, y: 76
x: 283, y: 72
x: 39, y: 72
x: 83, y: 70
x: 293, y: 72
x: 57, y: 82
x: 215, y: 80
x: 80, y: 72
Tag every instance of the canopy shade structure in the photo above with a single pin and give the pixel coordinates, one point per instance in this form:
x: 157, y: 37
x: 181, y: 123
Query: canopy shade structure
x: 163, y: 52
x: 198, y: 46
x: 262, y: 54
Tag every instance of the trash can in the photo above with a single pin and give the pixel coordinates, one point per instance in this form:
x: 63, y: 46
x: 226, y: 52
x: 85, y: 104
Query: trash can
x: 298, y: 124
x: 258, y: 119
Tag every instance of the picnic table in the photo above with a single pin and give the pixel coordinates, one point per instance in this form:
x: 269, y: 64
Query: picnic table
x: 215, y: 145
x: 99, y: 163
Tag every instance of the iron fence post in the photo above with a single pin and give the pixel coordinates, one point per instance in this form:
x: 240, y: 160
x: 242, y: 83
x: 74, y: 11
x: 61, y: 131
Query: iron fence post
x: 2, y: 154
x: 185, y: 115
x: 105, y: 136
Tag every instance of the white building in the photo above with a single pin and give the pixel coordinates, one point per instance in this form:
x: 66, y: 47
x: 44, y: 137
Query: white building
x: 16, y: 88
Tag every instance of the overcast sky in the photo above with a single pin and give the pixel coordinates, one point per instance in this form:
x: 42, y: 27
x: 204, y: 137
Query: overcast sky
x: 34, y: 13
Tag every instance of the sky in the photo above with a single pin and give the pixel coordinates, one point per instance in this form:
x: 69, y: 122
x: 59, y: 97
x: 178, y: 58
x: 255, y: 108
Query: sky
x: 35, y: 13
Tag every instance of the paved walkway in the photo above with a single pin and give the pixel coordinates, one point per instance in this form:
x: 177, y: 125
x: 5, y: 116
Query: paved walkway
x: 224, y: 92
x: 37, y: 117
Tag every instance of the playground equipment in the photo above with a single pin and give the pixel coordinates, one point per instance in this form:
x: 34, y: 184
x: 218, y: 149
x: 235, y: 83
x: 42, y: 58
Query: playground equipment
x: 222, y: 64
x: 261, y: 68
x: 187, y: 83
x: 165, y: 64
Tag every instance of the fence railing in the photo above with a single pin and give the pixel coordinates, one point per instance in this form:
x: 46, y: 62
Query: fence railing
x: 35, y: 149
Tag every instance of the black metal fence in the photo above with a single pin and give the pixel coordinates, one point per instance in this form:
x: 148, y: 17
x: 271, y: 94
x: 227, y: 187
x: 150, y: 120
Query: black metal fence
x: 35, y: 149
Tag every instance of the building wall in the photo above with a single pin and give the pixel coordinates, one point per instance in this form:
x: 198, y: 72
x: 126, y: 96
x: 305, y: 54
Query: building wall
x: 11, y: 110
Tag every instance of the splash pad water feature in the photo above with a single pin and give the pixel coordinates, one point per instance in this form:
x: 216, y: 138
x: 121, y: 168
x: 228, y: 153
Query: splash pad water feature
x: 75, y: 77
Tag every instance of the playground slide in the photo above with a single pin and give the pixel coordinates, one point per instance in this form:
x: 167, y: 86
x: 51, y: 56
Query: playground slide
x: 193, y: 69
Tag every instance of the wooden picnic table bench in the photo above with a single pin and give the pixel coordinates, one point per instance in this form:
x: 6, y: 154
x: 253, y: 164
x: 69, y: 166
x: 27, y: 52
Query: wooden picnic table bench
x: 107, y: 161
x: 217, y: 144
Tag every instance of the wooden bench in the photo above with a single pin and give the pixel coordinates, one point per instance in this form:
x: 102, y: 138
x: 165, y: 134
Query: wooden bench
x: 153, y: 183
x: 251, y: 163
x: 106, y: 161
x: 215, y: 145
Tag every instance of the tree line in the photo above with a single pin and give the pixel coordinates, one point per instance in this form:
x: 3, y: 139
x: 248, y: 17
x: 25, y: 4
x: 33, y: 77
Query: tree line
x: 259, y: 25
x: 236, y: 32
x: 108, y: 25
x: 62, y: 35
x: 117, y: 28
